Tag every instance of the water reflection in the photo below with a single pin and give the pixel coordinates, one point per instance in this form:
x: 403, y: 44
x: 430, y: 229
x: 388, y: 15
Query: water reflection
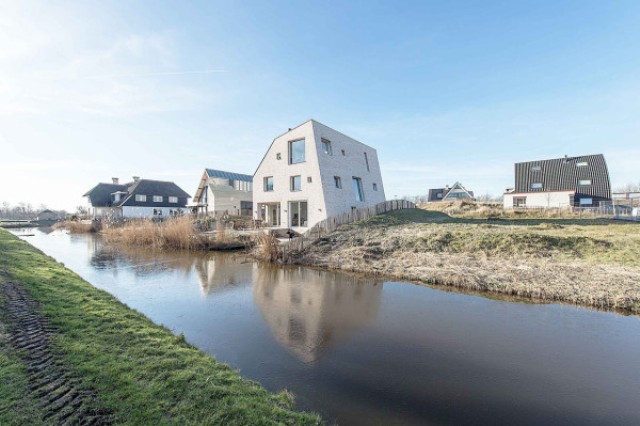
x: 309, y: 311
x: 219, y: 272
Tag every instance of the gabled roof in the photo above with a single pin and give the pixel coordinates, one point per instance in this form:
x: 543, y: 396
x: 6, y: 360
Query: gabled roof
x: 228, y: 175
x: 433, y: 193
x: 153, y: 187
x: 459, y: 186
x: 100, y: 195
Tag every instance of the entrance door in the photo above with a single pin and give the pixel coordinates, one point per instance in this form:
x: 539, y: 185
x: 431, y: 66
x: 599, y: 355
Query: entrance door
x: 274, y: 214
x: 298, y: 213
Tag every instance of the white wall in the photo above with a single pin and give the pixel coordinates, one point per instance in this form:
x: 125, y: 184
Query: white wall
x: 323, y: 198
x: 225, y: 198
x: 133, y: 212
x: 557, y: 199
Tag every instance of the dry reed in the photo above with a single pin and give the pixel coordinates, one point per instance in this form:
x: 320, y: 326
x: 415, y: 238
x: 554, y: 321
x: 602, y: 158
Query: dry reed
x: 78, y: 226
x: 266, y: 247
x: 174, y: 233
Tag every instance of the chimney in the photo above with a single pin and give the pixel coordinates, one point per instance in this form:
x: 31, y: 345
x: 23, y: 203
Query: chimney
x: 136, y: 178
x: 115, y: 181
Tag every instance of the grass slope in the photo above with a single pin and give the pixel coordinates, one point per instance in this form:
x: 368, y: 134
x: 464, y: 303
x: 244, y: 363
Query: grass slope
x: 592, y: 261
x: 142, y: 372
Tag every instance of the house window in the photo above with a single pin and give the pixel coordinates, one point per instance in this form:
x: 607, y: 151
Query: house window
x: 337, y: 182
x: 326, y: 147
x: 296, y: 151
x: 519, y: 201
x: 582, y: 164
x: 366, y: 160
x: 357, y: 188
x: 343, y: 152
x: 584, y: 182
x: 439, y: 195
x: 116, y: 197
x: 309, y: 180
x: 298, y: 212
x: 586, y: 201
x: 536, y: 168
x: 278, y: 156
x: 536, y: 185
x: 268, y: 183
x: 296, y: 183
x: 157, y: 198
x: 141, y: 197
x: 375, y: 186
x: 173, y: 200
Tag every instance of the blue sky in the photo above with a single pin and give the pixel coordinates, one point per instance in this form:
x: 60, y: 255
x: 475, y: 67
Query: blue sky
x: 444, y: 91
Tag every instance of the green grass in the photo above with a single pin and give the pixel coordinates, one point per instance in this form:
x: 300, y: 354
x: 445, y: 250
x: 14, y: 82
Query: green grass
x: 140, y: 371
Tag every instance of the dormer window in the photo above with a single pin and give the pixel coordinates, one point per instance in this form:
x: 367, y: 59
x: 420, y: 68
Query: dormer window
x: 141, y: 198
x: 582, y: 164
x: 536, y: 185
x: 157, y: 198
x: 584, y: 182
x: 116, y: 197
x: 536, y: 168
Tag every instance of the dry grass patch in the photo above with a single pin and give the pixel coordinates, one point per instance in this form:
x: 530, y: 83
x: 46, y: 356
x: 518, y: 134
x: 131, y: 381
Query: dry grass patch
x: 174, y: 233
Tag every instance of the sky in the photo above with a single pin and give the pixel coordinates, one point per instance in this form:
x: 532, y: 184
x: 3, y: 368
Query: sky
x: 445, y: 91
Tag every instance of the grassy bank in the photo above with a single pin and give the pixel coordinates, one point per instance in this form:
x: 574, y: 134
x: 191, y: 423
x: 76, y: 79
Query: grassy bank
x: 139, y: 372
x: 592, y: 262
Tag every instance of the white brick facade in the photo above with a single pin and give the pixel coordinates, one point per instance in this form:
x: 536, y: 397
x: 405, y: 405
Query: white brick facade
x: 557, y: 199
x: 346, y: 160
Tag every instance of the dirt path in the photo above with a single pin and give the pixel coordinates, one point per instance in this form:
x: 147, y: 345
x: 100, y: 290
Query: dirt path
x: 61, y: 396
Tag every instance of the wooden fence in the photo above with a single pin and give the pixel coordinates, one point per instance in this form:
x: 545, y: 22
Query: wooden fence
x: 332, y: 223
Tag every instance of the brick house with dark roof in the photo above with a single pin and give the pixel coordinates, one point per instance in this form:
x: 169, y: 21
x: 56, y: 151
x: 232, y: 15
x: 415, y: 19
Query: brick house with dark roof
x: 141, y: 198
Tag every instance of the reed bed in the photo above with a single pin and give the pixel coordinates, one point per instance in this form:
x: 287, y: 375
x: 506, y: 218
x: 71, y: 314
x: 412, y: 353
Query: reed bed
x: 78, y: 226
x: 266, y: 247
x: 175, y: 233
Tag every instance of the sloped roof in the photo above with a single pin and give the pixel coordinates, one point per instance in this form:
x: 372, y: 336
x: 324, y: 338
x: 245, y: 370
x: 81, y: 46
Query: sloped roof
x: 228, y: 175
x: 100, y: 195
x: 153, y: 187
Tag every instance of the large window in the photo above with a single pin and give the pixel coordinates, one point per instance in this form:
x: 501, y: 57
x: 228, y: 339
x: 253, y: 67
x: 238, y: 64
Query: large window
x: 157, y: 198
x: 337, y: 182
x: 298, y: 213
x: 268, y: 183
x: 357, y: 188
x: 296, y: 151
x: 141, y: 198
x: 326, y: 147
x: 296, y: 183
x: 519, y: 201
x: 586, y: 201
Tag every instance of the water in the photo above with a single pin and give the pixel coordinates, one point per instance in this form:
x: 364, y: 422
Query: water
x: 362, y: 351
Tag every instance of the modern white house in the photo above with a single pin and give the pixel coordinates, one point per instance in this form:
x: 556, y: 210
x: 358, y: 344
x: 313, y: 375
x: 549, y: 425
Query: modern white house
x: 221, y: 193
x: 140, y: 198
x: 313, y: 172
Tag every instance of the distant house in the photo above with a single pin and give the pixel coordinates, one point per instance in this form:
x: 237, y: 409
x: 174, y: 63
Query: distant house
x: 561, y: 182
x: 453, y: 193
x: 626, y: 196
x: 141, y: 198
x: 221, y: 192
x: 47, y: 215
x: 313, y: 172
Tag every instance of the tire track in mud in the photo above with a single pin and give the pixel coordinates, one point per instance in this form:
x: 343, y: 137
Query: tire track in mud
x: 59, y: 393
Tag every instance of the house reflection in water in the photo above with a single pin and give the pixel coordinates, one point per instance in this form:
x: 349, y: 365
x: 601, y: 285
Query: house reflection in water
x: 309, y: 311
x: 223, y: 271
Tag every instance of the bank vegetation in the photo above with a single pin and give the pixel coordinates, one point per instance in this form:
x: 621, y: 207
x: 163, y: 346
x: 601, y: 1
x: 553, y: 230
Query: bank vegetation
x: 586, y: 261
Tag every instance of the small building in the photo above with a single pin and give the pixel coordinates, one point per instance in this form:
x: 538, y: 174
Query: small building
x: 221, y: 193
x: 560, y: 182
x: 313, y: 172
x: 140, y: 198
x: 457, y: 192
x: 47, y: 216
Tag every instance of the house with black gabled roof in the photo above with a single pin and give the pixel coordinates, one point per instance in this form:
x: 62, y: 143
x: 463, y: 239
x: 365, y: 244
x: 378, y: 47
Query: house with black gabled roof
x: 140, y: 198
x: 581, y: 181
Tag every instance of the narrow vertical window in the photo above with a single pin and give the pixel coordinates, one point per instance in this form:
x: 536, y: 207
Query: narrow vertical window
x: 268, y: 183
x: 357, y: 188
x: 296, y: 183
x: 326, y: 147
x: 337, y: 182
x: 366, y: 160
x: 375, y: 186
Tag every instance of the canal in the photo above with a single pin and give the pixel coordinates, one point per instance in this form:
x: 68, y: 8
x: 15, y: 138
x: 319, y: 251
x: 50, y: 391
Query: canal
x: 363, y: 351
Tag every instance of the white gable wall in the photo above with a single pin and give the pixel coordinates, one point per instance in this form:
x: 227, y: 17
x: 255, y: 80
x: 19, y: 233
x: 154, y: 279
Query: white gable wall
x: 324, y: 200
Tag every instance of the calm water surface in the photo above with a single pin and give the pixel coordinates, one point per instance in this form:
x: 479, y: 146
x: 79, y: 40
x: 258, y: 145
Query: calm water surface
x: 363, y: 351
